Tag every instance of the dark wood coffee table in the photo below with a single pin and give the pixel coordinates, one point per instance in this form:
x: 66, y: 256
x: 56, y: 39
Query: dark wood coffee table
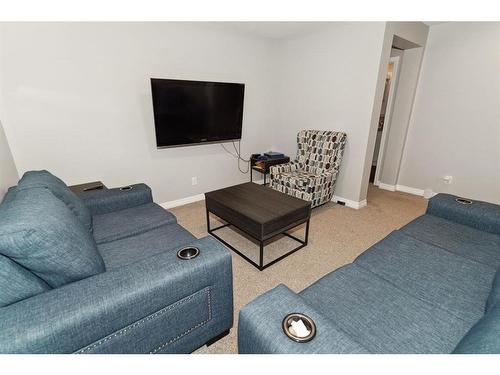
x: 260, y: 212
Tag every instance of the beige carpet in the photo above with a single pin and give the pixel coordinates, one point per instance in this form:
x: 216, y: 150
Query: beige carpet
x: 337, y: 236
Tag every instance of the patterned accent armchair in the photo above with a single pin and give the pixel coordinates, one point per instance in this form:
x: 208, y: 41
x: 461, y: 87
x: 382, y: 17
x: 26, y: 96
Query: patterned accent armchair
x: 313, y: 174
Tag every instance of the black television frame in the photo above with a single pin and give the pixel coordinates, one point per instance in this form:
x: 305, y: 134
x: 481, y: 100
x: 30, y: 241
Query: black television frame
x: 192, y: 82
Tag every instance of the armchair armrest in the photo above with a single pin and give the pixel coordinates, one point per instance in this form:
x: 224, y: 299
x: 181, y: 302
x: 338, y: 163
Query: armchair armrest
x: 260, y: 327
x: 287, y: 167
x: 480, y: 215
x: 105, y: 201
x: 147, y: 306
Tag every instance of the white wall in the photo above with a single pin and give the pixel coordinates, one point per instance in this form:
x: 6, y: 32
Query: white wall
x: 327, y: 80
x: 8, y: 172
x: 76, y: 100
x: 455, y: 127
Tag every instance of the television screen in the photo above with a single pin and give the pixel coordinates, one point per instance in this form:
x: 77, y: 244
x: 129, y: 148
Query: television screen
x: 188, y: 112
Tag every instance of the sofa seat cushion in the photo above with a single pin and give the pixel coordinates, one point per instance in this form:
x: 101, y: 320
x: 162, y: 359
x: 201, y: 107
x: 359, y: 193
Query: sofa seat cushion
x: 129, y: 222
x: 119, y: 253
x: 381, y: 316
x: 460, y: 239
x: 44, y: 179
x: 41, y: 234
x: 17, y: 283
x: 456, y: 284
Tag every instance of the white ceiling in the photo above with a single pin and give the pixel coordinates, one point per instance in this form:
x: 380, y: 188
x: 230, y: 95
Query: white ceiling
x: 274, y: 30
x: 432, y: 23
x: 278, y: 30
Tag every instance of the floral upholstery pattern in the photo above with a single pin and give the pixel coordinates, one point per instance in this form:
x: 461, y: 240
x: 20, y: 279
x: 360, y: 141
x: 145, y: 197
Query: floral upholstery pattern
x: 313, y: 174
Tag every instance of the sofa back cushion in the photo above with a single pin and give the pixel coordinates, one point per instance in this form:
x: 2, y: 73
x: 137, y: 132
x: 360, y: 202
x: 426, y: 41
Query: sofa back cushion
x: 37, y: 179
x: 484, y: 336
x: 41, y: 234
x: 17, y: 283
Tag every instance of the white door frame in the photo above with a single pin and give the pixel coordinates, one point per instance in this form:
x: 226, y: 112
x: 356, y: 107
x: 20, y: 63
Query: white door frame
x: 388, y: 117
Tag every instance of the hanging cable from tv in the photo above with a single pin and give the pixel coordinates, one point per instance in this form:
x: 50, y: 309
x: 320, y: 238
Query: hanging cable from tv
x: 238, y: 157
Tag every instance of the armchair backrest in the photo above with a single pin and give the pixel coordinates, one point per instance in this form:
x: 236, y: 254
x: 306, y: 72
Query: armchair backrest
x: 320, y: 150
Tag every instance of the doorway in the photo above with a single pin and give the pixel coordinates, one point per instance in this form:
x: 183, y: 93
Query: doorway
x: 384, y: 120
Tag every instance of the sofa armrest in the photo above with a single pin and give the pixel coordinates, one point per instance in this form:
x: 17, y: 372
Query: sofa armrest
x: 480, y: 215
x: 260, y: 327
x: 105, y: 201
x: 159, y: 304
x: 282, y: 168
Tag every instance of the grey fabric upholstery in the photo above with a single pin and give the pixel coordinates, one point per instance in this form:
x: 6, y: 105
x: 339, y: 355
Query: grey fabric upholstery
x: 432, y: 274
x: 128, y: 250
x: 17, y: 283
x: 44, y: 179
x: 484, y: 337
x: 10, y: 194
x: 115, y: 225
x: 159, y: 305
x: 456, y: 238
x: 313, y: 174
x: 40, y: 233
x: 431, y: 287
x: 256, y: 335
x: 381, y: 316
x: 494, y: 297
x: 479, y: 215
x: 146, y: 300
x: 110, y: 200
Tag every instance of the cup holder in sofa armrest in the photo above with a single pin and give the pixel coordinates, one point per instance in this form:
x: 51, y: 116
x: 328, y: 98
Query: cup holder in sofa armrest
x: 126, y: 188
x: 299, y: 327
x: 187, y: 253
x: 463, y: 201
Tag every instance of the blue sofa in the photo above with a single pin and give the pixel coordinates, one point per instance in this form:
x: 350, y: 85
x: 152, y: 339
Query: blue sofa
x: 99, y: 273
x: 432, y: 286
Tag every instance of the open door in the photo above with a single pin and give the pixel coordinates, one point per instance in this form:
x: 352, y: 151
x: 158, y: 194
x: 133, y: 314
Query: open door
x: 384, y: 119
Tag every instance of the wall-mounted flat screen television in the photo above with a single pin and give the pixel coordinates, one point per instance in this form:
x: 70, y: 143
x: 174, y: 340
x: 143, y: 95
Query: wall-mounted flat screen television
x: 191, y: 112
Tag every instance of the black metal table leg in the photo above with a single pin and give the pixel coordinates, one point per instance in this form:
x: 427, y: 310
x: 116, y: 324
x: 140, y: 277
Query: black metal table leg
x: 208, y: 221
x: 307, y: 232
x: 260, y: 266
x: 261, y: 258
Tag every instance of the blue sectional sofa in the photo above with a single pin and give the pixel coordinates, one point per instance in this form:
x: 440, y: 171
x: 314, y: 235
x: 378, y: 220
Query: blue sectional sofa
x: 431, y: 287
x: 99, y: 273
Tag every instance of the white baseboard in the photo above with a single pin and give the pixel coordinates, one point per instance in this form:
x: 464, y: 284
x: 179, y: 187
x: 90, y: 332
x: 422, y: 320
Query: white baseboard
x: 350, y: 203
x: 199, y: 197
x: 381, y: 185
x: 410, y: 190
x: 183, y: 201
x: 404, y: 189
x: 194, y: 198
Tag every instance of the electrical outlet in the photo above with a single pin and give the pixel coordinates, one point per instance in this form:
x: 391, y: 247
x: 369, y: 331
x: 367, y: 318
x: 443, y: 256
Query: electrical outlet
x: 448, y: 179
x: 194, y: 181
